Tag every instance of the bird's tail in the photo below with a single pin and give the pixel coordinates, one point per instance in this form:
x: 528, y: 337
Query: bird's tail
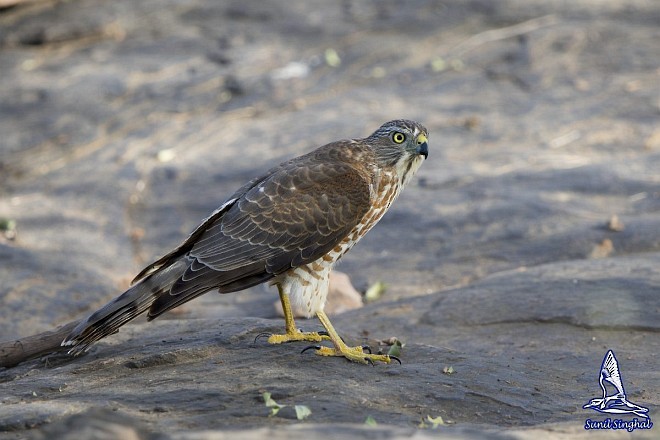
x: 135, y: 301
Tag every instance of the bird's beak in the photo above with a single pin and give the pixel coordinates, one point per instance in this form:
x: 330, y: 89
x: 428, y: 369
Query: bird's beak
x: 422, y: 146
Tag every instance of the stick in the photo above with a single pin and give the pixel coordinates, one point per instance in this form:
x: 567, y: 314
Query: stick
x: 503, y: 33
x: 13, y: 353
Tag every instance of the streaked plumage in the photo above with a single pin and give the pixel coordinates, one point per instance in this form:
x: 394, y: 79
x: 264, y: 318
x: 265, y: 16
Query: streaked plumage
x: 287, y: 227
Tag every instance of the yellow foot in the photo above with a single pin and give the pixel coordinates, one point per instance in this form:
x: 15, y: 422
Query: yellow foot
x: 354, y: 354
x: 296, y: 335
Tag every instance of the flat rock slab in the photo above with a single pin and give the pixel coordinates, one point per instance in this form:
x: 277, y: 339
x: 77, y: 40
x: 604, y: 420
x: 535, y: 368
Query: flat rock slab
x: 533, y: 360
x: 527, y: 246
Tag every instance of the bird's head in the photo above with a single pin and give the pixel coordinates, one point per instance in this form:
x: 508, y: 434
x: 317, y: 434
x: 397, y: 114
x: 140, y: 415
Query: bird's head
x: 401, y: 144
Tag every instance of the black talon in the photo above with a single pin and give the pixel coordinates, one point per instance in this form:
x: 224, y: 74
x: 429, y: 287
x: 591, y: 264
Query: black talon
x: 309, y: 347
x: 323, y: 333
x: 370, y: 361
x: 261, y: 335
x: 396, y: 359
x: 366, y: 347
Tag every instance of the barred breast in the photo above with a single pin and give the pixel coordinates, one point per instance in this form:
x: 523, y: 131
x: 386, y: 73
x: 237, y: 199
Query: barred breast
x: 307, y: 285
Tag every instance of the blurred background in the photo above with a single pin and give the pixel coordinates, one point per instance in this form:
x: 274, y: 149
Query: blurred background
x: 528, y: 242
x: 125, y: 123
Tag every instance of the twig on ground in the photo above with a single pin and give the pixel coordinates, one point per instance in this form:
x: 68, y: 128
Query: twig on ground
x: 13, y: 353
x: 503, y: 33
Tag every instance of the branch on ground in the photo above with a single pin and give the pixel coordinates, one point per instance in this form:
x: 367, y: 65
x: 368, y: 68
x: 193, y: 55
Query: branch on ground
x: 13, y: 353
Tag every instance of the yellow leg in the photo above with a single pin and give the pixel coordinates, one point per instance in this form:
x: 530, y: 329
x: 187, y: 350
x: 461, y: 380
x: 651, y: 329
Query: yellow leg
x: 355, y: 354
x: 292, y: 333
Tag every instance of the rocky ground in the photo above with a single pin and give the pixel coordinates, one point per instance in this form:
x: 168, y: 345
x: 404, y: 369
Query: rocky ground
x: 527, y: 246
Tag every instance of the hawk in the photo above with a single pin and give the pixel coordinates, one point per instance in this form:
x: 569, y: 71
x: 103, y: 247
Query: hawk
x: 287, y: 227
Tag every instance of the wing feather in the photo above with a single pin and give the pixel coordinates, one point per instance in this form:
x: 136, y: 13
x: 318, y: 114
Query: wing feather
x: 292, y: 216
x: 298, y: 213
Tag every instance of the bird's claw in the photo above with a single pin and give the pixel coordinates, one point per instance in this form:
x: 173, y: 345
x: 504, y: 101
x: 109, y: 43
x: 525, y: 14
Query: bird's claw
x: 262, y: 335
x: 310, y: 347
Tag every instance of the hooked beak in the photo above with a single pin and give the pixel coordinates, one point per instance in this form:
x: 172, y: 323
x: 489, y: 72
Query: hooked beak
x: 422, y: 146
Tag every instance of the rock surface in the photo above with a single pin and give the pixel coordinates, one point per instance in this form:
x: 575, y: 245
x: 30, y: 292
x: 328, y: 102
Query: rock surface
x: 125, y: 123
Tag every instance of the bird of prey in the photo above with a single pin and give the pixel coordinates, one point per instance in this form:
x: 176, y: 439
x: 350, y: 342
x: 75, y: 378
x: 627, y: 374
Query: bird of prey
x: 287, y: 227
x: 616, y: 403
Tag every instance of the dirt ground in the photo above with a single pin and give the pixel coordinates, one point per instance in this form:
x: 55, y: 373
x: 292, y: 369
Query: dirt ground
x: 527, y: 246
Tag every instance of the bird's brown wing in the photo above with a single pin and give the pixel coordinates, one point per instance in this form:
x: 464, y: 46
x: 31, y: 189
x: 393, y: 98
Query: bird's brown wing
x: 189, y: 242
x: 293, y: 216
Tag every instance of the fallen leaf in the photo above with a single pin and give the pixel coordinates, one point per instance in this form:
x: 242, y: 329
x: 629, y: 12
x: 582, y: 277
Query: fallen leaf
x: 302, y: 412
x: 602, y: 250
x: 8, y: 228
x: 435, y: 421
x: 270, y: 403
x: 332, y: 58
x: 615, y: 224
x: 395, y: 349
x: 375, y: 291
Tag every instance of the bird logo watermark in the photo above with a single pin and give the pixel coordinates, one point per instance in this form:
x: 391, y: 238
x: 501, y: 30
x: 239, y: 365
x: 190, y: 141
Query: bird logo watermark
x: 615, y: 401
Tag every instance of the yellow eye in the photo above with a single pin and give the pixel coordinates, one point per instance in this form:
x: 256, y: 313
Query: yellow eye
x: 398, y: 138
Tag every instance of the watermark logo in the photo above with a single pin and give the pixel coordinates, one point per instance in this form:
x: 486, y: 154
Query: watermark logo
x: 614, y: 401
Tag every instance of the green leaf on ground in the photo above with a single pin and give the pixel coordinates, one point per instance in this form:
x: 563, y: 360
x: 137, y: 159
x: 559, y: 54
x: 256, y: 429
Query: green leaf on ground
x: 302, y: 412
x: 375, y: 291
x: 270, y: 403
x: 395, y: 349
x: 434, y: 421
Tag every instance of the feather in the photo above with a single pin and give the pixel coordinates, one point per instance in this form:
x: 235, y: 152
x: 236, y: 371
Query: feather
x: 305, y: 209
